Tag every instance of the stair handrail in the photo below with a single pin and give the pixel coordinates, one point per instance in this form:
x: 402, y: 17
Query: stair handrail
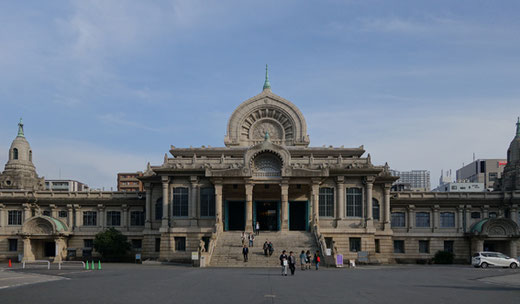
x: 213, y: 242
x: 320, y: 240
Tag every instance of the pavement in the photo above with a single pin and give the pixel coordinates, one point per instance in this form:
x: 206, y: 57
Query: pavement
x: 131, y: 283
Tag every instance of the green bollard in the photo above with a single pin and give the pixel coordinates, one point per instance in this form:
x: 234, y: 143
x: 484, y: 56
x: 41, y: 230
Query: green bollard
x: 99, y: 265
x: 86, y: 265
x: 92, y: 267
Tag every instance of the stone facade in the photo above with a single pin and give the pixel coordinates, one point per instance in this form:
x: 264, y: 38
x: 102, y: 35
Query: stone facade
x: 266, y: 173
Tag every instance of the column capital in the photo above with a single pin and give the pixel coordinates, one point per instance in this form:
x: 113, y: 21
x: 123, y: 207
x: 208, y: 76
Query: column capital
x: 340, y: 179
x: 194, y: 180
x: 147, y: 186
x: 165, y: 179
x: 369, y: 179
x: 100, y: 206
x: 249, y: 187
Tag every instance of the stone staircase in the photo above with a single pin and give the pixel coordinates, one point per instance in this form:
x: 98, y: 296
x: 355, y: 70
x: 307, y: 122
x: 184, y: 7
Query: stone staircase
x: 228, y: 252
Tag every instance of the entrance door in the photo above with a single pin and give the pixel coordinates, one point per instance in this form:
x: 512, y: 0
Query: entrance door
x: 297, y: 215
x: 267, y: 215
x: 235, y: 215
x: 49, y: 249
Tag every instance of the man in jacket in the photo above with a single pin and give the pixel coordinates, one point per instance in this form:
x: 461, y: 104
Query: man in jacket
x: 292, y: 262
x: 245, y: 252
x: 283, y: 262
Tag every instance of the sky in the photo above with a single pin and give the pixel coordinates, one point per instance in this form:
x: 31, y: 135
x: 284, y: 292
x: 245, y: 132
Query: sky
x: 107, y: 86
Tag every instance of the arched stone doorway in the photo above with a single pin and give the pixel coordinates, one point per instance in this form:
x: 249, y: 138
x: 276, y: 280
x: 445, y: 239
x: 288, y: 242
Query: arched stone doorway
x: 44, y: 238
x: 495, y: 234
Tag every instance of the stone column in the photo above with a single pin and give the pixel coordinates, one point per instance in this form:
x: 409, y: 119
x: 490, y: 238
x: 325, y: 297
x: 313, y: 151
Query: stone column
x: 315, y: 194
x: 249, y: 207
x: 512, y: 248
x: 2, y: 214
x: 27, y: 250
x: 485, y: 211
x: 411, y: 215
x: 26, y: 212
x: 340, y: 198
x: 79, y: 218
x: 148, y: 206
x: 435, y: 218
x: 218, y: 205
x: 70, y: 217
x: 102, y: 221
x: 165, y: 202
x: 460, y: 219
x: 370, y: 218
x: 124, y: 217
x: 61, y: 247
x: 513, y: 214
x: 193, y: 201
x: 387, y: 223
x: 285, y: 206
x: 468, y: 218
x: 54, y: 211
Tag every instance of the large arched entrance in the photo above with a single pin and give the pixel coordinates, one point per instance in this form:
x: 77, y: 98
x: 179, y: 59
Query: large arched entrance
x: 44, y: 238
x: 495, y: 234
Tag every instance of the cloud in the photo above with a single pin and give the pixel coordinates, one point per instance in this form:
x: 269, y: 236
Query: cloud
x: 121, y: 120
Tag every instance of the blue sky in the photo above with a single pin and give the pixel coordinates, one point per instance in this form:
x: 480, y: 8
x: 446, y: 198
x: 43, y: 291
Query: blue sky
x: 106, y: 86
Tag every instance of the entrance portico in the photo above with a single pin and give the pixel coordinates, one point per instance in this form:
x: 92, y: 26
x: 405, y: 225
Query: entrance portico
x: 44, y: 237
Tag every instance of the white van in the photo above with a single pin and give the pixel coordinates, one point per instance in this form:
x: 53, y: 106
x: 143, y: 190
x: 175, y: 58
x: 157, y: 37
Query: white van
x: 487, y: 258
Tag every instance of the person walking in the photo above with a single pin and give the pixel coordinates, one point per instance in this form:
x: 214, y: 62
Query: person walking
x: 317, y: 259
x: 271, y: 248
x: 257, y: 228
x: 266, y: 247
x: 284, y: 262
x: 292, y: 262
x: 308, y: 259
x: 251, y: 239
x: 303, y: 260
x: 243, y: 238
x: 245, y: 252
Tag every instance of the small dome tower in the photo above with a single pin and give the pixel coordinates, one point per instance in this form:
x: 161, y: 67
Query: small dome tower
x: 20, y: 172
x: 511, y: 175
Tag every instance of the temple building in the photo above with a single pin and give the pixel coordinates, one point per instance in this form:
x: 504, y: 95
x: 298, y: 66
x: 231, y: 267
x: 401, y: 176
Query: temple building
x: 332, y: 199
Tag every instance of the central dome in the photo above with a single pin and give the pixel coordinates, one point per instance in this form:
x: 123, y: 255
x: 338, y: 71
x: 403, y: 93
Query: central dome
x: 267, y: 112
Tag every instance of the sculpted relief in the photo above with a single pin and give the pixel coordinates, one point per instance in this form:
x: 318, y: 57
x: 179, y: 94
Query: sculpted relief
x: 271, y: 127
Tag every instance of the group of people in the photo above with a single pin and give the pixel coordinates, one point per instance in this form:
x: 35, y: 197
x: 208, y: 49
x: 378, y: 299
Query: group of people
x: 268, y: 248
x: 289, y: 261
x: 248, y: 237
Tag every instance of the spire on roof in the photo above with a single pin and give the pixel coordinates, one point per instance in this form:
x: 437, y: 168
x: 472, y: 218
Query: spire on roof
x: 20, y: 128
x: 518, y: 127
x: 267, y: 85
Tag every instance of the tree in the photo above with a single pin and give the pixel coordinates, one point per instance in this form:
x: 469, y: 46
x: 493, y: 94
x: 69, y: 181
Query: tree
x: 443, y: 257
x: 111, y: 244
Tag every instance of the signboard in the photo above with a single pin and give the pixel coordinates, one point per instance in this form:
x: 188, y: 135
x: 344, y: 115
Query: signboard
x: 339, y: 260
x: 194, y: 255
x: 328, y: 251
x: 138, y: 256
x: 363, y: 256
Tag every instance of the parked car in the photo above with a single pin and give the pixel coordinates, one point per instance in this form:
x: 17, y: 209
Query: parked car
x: 487, y: 258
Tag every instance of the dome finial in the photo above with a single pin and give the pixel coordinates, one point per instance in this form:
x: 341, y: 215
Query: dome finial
x: 267, y: 85
x: 518, y: 127
x: 266, y: 137
x: 20, y: 128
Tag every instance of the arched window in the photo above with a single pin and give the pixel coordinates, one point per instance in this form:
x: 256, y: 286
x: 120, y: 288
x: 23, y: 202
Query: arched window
x: 375, y: 209
x: 30, y: 155
x: 158, y: 209
x: 15, y: 153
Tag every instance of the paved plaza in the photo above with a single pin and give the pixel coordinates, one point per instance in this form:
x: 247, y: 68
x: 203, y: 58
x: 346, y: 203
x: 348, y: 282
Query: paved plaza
x: 128, y: 283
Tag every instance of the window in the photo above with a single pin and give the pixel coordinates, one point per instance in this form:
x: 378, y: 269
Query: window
x: 46, y: 213
x: 447, y: 219
x: 475, y: 215
x: 89, y: 218
x: 157, y: 244
x: 375, y: 209
x: 398, y: 219
x: 492, y: 215
x: 15, y: 217
x: 180, y: 243
x: 136, y: 218
x: 15, y: 153
x: 424, y: 246
x: 354, y: 244
x: 30, y: 155
x: 398, y: 246
x: 448, y: 246
x: 62, y: 213
x: 13, y: 244
x: 326, y: 203
x: 422, y: 219
x: 113, y: 218
x: 88, y: 243
x: 377, y: 245
x: 180, y: 202
x: 137, y: 245
x: 158, y: 209
x: 207, y: 202
x: 354, y: 202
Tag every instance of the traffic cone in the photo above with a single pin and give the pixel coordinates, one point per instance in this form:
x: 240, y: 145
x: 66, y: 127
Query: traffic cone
x: 86, y: 267
x: 10, y: 265
x: 99, y: 265
x: 92, y: 266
